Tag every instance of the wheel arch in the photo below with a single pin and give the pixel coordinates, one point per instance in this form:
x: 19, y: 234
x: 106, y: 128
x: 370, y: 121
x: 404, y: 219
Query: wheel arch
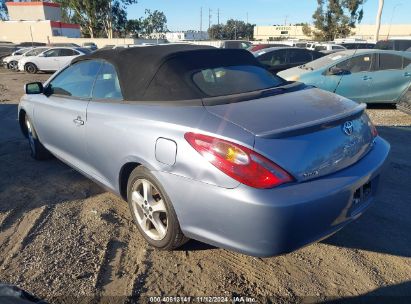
x: 30, y: 62
x: 124, y: 175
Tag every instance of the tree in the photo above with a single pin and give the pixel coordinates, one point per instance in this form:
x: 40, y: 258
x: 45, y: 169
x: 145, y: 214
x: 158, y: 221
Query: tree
x: 233, y: 29
x: 4, y: 14
x: 154, y: 22
x: 306, y: 29
x: 336, y: 18
x: 133, y: 27
x: 216, y: 32
x: 97, y: 17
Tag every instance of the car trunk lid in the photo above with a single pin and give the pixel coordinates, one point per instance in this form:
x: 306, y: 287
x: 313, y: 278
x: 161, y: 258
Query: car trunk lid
x: 303, y: 131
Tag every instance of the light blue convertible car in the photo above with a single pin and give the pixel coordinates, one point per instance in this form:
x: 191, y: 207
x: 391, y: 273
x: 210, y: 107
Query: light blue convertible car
x: 370, y: 76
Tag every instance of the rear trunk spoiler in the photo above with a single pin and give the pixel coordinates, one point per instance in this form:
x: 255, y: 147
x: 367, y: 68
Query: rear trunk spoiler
x: 316, y: 125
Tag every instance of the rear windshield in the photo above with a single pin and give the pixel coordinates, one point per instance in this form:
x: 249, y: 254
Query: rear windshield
x: 230, y: 80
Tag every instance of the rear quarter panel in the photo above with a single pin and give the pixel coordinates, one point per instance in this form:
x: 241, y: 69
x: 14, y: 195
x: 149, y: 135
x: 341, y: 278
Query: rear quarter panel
x: 119, y: 133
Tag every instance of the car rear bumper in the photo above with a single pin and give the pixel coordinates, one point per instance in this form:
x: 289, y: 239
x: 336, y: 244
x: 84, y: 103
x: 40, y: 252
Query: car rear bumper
x: 267, y: 222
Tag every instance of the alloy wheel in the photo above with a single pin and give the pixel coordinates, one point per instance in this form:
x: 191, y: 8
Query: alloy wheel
x: 30, y: 135
x: 149, y: 209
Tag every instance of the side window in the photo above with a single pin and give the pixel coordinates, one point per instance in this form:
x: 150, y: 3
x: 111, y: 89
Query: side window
x: 274, y: 58
x: 357, y: 64
x: 67, y: 52
x: 76, y: 80
x: 404, y: 45
x: 299, y: 56
x: 390, y: 62
x: 107, y: 85
x: 336, y: 47
x: 52, y: 53
x: 406, y: 63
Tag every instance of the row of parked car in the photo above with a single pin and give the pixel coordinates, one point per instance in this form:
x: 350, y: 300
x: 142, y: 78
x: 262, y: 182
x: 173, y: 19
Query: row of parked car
x: 363, y: 75
x: 364, y: 72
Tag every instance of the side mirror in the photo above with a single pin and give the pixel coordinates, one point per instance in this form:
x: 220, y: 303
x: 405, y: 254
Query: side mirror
x: 33, y: 88
x: 337, y: 71
x: 42, y: 55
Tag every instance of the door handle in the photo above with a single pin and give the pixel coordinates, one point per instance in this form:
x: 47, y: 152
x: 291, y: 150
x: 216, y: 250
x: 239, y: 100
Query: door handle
x: 366, y: 78
x: 78, y: 121
x: 407, y: 74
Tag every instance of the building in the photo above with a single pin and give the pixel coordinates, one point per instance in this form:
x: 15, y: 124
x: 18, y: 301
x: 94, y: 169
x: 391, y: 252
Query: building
x: 362, y: 31
x: 35, y: 21
x: 186, y: 36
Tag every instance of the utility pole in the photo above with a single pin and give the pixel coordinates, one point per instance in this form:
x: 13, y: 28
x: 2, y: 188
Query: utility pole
x: 392, y: 16
x: 201, y: 19
x: 209, y: 17
x: 218, y: 16
x: 378, y: 19
x: 247, y: 17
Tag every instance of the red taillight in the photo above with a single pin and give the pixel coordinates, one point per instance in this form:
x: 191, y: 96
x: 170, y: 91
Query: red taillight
x: 373, y: 129
x: 238, y: 162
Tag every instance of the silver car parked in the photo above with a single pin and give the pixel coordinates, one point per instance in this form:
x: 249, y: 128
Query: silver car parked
x: 204, y: 143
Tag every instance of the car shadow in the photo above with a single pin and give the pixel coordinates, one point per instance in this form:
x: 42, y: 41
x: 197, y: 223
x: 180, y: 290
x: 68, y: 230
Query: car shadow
x: 194, y: 245
x: 27, y: 184
x: 392, y: 294
x: 386, y: 226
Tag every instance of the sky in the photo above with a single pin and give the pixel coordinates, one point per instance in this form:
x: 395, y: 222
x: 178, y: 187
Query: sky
x: 185, y: 14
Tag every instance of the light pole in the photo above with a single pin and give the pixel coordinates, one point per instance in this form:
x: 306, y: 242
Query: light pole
x: 392, y: 16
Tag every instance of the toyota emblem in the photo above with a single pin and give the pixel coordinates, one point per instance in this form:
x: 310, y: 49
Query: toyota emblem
x: 348, y: 127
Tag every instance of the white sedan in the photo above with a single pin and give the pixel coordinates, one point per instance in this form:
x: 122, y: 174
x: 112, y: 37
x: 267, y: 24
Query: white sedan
x: 11, y: 61
x: 51, y: 59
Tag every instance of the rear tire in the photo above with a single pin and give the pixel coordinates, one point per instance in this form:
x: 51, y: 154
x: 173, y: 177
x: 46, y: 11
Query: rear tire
x: 12, y: 65
x: 31, y: 68
x: 152, y: 211
x: 37, y: 150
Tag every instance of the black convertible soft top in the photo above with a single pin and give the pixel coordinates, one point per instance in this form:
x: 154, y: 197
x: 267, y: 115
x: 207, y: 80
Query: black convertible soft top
x: 164, y: 72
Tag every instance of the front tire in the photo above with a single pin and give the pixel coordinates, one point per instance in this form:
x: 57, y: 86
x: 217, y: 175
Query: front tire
x: 37, y: 150
x: 31, y: 68
x: 152, y: 211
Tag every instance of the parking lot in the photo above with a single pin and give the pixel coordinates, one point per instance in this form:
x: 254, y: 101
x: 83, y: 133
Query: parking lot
x: 61, y: 234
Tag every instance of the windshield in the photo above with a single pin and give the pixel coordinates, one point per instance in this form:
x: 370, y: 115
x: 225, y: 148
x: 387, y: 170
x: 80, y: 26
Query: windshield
x: 323, y: 61
x: 230, y: 80
x: 35, y: 52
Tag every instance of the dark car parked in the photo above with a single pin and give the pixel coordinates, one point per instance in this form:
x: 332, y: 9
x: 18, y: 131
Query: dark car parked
x: 358, y: 45
x: 257, y: 47
x: 235, y: 44
x: 277, y: 59
x: 394, y: 44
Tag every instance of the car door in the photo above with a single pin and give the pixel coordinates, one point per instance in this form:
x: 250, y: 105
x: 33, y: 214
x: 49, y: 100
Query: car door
x: 356, y: 82
x: 101, y: 119
x: 274, y: 61
x: 48, y: 61
x: 390, y: 79
x: 60, y: 113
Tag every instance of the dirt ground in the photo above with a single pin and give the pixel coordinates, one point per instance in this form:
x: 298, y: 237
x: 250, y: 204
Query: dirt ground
x: 65, y: 239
